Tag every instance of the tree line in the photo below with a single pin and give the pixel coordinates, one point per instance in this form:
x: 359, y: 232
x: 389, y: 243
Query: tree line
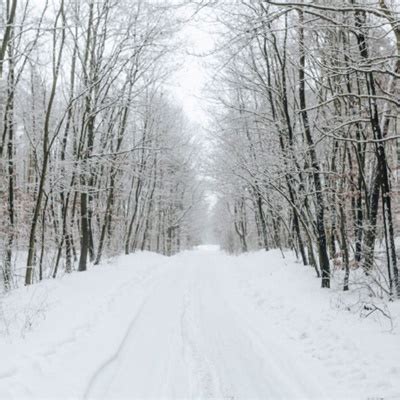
x: 95, y: 157
x: 306, y: 134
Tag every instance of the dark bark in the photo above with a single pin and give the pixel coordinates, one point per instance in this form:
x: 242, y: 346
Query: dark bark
x: 46, y: 145
x: 319, y: 200
x: 288, y: 177
x: 9, y: 132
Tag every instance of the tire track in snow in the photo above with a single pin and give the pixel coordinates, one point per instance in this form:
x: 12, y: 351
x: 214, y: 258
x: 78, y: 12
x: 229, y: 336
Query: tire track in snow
x: 197, y: 363
x: 110, y: 361
x: 114, y: 358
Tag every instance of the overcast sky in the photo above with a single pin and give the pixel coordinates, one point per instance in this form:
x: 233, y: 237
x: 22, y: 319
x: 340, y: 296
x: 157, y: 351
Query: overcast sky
x: 188, y: 82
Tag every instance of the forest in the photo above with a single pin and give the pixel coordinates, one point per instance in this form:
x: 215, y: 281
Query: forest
x: 199, y: 199
x: 97, y: 158
x: 306, y: 134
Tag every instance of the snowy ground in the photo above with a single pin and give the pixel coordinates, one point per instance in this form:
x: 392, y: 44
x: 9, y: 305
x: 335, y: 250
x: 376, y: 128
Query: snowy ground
x: 197, y: 325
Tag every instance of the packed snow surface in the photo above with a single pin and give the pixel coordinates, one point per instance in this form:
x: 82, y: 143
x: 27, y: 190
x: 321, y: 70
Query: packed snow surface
x: 201, y: 324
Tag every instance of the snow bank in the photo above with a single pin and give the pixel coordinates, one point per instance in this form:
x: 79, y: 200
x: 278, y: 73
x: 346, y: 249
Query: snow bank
x: 357, y: 345
x: 56, y: 333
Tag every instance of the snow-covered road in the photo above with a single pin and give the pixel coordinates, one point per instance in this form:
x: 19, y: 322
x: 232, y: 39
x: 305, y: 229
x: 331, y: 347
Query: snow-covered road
x: 201, y: 325
x: 193, y: 338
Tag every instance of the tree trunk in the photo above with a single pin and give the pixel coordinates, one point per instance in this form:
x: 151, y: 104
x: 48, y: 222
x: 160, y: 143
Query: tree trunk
x: 319, y: 199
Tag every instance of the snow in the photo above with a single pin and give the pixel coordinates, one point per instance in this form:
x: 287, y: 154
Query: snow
x: 201, y: 324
